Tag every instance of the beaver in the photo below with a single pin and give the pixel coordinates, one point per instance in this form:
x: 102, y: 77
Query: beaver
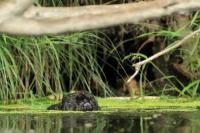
x: 77, y: 101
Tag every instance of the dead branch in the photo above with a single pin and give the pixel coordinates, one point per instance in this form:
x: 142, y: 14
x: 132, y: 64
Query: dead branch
x: 48, y: 20
x: 10, y: 8
x: 168, y: 49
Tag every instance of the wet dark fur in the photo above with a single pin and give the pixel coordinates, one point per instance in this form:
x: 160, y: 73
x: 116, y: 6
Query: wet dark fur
x: 79, y: 101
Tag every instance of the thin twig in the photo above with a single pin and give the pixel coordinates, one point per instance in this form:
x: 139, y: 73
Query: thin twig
x: 139, y: 64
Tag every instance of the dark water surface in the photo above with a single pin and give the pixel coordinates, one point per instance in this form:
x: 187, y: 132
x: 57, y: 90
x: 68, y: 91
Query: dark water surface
x: 118, y: 122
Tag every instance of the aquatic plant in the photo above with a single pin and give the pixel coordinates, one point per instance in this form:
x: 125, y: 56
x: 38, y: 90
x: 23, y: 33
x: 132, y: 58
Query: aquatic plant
x: 182, y: 63
x: 50, y: 64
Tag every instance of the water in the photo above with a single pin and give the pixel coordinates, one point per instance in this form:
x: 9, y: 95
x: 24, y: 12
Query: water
x: 118, y: 122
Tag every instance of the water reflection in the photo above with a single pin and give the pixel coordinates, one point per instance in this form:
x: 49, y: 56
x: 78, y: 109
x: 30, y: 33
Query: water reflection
x: 179, y: 122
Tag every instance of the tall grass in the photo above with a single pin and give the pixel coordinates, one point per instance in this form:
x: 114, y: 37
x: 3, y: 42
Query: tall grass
x: 28, y: 65
x: 39, y: 66
x: 189, y: 52
x: 50, y: 64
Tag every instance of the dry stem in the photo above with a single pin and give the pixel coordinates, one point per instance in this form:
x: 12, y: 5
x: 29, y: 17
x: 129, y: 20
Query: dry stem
x: 139, y: 64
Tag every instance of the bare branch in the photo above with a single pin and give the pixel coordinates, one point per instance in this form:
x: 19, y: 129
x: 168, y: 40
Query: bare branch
x: 40, y: 20
x: 10, y: 8
x: 137, y: 69
x: 45, y: 12
x: 61, y: 12
x: 139, y: 64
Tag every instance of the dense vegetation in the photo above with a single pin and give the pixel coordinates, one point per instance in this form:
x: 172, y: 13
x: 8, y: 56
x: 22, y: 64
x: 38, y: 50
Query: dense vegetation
x: 100, y: 60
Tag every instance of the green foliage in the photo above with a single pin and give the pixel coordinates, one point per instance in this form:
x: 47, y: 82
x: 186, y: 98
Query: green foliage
x: 189, y: 52
x: 50, y: 64
x: 26, y: 66
x: 111, y: 104
x: 39, y: 66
